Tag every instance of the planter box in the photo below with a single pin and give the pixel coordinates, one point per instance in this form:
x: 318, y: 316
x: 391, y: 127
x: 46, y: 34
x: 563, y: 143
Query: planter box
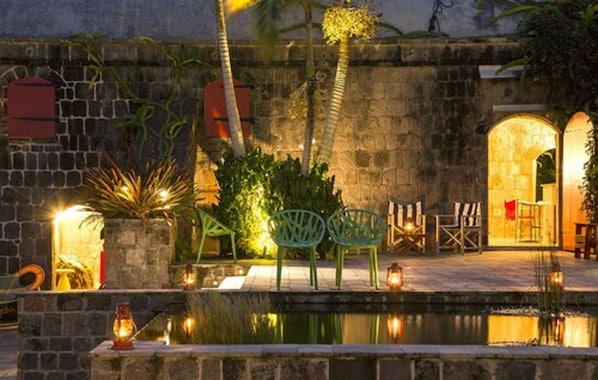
x: 137, y: 254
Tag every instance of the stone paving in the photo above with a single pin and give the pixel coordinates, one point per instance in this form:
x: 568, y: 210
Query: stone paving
x: 497, y: 271
x: 503, y: 271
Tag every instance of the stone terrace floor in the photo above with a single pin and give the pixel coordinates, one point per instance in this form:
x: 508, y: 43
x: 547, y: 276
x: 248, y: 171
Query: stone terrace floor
x: 495, y: 271
x: 491, y: 271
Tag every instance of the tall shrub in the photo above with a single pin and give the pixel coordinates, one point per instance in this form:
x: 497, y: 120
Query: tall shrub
x: 244, y: 183
x: 314, y: 191
x: 255, y: 186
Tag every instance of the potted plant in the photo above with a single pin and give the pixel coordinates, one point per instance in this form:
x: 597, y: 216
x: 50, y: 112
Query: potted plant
x: 140, y: 209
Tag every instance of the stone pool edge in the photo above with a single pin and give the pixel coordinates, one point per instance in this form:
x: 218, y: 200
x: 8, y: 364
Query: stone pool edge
x: 57, y: 330
x: 332, y: 362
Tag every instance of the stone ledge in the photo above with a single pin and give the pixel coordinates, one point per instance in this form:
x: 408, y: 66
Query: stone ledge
x: 339, y: 361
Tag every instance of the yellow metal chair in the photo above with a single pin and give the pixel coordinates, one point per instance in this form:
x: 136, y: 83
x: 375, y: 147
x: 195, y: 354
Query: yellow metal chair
x: 355, y: 228
x: 211, y: 227
x: 297, y: 229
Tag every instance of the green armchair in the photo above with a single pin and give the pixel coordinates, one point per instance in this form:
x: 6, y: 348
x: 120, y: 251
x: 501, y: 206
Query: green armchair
x: 297, y: 229
x: 211, y: 227
x: 354, y: 228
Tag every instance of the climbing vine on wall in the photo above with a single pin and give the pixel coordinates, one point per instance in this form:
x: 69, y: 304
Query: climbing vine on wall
x: 153, y: 125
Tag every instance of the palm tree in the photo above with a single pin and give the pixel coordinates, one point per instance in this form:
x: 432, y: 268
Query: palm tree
x: 234, y: 120
x: 267, y: 14
x: 340, y: 23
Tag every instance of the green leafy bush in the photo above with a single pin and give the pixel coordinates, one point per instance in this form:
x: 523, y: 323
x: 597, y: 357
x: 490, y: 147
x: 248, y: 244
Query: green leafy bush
x: 314, y: 192
x: 255, y: 186
x: 244, y: 183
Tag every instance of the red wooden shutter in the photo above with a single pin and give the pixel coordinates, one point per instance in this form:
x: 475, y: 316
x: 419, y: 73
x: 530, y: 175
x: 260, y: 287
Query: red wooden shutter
x: 31, y: 112
x: 215, y: 115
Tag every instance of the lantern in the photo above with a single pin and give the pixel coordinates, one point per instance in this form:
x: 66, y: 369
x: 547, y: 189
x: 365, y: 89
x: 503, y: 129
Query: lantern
x: 409, y: 225
x: 556, y: 278
x: 123, y: 327
x: 394, y: 277
x: 189, y: 277
x: 394, y: 326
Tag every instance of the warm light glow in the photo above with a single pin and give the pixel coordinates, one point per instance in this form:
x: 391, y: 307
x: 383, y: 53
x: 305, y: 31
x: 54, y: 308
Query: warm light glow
x: 557, y: 278
x: 163, y: 194
x: 188, y: 325
x: 394, y: 277
x: 270, y: 318
x: 189, y: 277
x: 240, y: 271
x: 70, y: 213
x: 409, y: 225
x: 123, y: 328
x: 167, y: 331
x: 394, y: 326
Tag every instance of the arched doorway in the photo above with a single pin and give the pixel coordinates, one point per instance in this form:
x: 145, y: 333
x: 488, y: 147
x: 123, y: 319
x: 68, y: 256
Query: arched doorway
x: 522, y: 203
x: 574, y: 158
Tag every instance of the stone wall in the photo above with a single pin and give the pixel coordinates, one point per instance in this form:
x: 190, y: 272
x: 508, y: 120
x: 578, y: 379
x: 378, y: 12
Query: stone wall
x: 413, y: 124
x: 326, y: 362
x: 57, y: 330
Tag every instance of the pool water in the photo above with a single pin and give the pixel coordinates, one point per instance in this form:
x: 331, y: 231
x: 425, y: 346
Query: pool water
x: 470, y: 326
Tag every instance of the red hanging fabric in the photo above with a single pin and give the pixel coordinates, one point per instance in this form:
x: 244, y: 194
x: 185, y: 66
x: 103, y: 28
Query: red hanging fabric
x: 510, y: 207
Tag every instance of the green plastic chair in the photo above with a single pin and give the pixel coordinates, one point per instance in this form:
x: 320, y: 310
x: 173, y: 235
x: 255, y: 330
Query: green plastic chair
x: 211, y: 227
x: 297, y: 229
x: 355, y: 228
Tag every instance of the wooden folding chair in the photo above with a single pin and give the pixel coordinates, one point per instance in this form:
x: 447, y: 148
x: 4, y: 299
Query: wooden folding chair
x: 406, y: 227
x: 460, y: 230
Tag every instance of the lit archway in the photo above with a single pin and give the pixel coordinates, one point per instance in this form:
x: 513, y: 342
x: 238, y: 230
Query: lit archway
x: 518, y: 214
x: 574, y: 158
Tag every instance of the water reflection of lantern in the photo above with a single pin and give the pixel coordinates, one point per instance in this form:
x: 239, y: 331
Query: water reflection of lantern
x: 557, y: 325
x: 557, y: 280
x: 394, y: 326
x: 167, y: 332
x: 394, y: 277
x: 188, y: 325
x: 123, y: 328
x: 189, y: 277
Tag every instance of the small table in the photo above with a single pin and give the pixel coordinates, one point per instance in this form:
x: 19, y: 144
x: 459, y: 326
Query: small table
x: 585, y: 237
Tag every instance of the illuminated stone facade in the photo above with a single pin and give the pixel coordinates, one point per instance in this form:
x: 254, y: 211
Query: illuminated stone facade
x: 414, y: 123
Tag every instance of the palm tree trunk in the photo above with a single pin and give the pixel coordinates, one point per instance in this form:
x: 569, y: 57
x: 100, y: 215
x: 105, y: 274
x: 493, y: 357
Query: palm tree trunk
x: 336, y: 100
x: 234, y: 120
x: 310, y: 75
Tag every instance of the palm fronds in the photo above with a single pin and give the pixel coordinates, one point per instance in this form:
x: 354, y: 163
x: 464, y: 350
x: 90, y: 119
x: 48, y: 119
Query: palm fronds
x: 161, y: 190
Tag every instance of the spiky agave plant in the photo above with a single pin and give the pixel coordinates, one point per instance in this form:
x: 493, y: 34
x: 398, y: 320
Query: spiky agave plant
x: 162, y: 189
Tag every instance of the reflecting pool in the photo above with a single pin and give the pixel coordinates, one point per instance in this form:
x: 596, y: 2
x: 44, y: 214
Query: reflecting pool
x: 407, y: 325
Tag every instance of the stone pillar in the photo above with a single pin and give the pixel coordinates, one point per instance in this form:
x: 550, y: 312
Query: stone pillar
x: 137, y: 255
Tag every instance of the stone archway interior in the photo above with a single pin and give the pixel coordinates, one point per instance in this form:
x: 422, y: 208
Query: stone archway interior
x: 514, y: 145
